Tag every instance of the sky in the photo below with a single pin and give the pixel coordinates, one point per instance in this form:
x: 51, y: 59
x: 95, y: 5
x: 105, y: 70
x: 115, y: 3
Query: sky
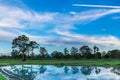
x: 56, y: 24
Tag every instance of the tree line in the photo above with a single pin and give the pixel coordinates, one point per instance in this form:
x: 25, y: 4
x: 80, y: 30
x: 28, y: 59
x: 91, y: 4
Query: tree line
x: 23, y: 48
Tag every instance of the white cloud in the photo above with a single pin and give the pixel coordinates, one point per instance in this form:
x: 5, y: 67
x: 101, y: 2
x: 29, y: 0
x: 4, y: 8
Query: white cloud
x: 15, y: 20
x: 6, y: 36
x: 80, y: 39
x: 14, y: 17
x: 72, y: 12
x: 99, y: 6
x: 92, y: 15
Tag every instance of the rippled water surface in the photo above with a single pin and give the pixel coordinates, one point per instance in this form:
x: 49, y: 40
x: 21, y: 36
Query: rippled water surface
x: 41, y: 72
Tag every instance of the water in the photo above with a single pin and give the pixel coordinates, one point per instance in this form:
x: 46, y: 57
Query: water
x: 50, y: 72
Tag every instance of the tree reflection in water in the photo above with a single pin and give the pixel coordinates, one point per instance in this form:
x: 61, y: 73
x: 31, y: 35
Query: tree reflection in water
x: 97, y: 70
x: 74, y: 69
x: 29, y: 72
x: 116, y: 70
x: 42, y: 69
x: 66, y: 69
x: 86, y: 70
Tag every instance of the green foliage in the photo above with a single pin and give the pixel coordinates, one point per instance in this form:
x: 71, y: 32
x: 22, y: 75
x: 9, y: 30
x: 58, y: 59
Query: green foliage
x: 86, y: 51
x: 32, y: 45
x: 56, y: 54
x: 114, y: 53
x: 44, y: 53
x: 97, y: 55
x: 21, y: 43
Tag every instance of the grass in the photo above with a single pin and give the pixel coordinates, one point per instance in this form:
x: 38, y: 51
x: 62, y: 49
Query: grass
x: 72, y: 62
x: 2, y: 77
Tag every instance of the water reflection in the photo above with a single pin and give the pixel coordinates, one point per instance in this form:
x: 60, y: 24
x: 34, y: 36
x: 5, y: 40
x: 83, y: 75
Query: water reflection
x: 41, y: 72
x: 66, y: 69
x: 116, y: 70
x: 74, y: 69
x: 86, y: 70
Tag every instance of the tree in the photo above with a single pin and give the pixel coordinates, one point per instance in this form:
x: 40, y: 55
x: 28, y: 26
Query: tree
x: 97, y: 55
x: 43, y: 52
x: 21, y: 43
x: 32, y: 45
x: 74, y: 51
x: 14, y: 53
x: 114, y: 53
x: 66, y: 53
x: 86, y: 51
x: 56, y: 54
x: 96, y: 49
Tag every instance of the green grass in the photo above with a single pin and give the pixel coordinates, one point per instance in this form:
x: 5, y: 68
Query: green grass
x: 2, y: 77
x: 73, y: 62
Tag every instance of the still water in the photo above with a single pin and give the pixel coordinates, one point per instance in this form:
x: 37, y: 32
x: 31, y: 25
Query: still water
x: 50, y: 72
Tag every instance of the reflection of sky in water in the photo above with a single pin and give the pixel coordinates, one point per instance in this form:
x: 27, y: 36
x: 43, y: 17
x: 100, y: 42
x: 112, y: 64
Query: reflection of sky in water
x: 38, y: 72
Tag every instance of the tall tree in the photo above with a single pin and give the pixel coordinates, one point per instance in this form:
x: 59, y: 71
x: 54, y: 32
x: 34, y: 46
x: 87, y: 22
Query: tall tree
x: 21, y: 43
x: 43, y: 52
x: 96, y: 49
x: 96, y: 53
x: 56, y: 54
x: 14, y: 53
x: 32, y: 45
x: 66, y: 52
x: 74, y: 51
x: 86, y: 51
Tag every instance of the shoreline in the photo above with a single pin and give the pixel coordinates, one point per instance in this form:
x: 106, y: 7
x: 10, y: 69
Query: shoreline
x: 63, y: 62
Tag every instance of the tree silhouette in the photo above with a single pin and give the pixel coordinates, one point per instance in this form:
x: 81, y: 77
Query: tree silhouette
x: 86, y: 51
x: 114, y: 53
x: 43, y: 52
x: 66, y: 53
x: 96, y: 49
x: 14, y: 54
x: 74, y: 52
x: 56, y: 54
x: 32, y: 45
x: 21, y: 43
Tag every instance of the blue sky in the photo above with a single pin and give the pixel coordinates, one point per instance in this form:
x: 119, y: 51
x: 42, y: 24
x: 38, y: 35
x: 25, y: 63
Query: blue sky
x: 57, y: 24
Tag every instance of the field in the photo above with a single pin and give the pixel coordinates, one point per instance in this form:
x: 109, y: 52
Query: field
x: 72, y: 62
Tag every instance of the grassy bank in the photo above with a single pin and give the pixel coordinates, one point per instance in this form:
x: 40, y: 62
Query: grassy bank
x: 90, y: 62
x: 2, y: 77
